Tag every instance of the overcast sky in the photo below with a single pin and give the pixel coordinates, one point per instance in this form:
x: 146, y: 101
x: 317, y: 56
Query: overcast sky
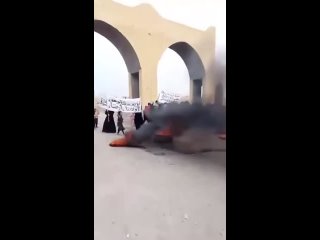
x: 111, y: 76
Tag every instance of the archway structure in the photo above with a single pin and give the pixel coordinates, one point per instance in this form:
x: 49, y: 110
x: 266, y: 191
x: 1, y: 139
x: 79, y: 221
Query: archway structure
x: 143, y: 35
x: 194, y: 65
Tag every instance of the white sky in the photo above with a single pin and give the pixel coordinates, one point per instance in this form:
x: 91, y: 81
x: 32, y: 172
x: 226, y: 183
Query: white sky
x: 111, y: 76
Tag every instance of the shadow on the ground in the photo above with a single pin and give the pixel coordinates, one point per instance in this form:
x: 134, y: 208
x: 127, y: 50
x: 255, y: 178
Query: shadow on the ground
x: 208, y: 158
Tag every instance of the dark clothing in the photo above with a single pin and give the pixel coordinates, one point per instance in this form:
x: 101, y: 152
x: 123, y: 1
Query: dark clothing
x: 147, y: 110
x: 120, y: 130
x: 120, y: 124
x: 95, y: 119
x: 138, y: 120
x: 109, y: 126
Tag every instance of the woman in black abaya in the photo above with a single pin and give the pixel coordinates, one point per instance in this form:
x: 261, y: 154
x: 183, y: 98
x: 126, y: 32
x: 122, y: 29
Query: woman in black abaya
x: 138, y: 120
x: 109, y: 126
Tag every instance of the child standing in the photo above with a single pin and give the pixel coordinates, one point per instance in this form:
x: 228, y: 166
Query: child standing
x: 96, y: 115
x: 120, y: 123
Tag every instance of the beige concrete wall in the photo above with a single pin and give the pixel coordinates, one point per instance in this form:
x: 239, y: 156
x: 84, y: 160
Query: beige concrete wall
x: 150, y: 35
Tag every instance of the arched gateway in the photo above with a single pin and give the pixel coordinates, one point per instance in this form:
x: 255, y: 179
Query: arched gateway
x: 143, y: 35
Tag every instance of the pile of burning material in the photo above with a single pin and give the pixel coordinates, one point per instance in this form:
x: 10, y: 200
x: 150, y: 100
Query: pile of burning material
x: 178, y: 122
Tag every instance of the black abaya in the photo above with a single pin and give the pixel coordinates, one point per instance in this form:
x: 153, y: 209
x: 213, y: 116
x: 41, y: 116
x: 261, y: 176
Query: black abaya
x: 109, y: 126
x: 138, y: 120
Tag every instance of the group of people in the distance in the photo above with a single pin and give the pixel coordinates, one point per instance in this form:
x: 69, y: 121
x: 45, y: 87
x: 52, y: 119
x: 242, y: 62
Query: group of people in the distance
x: 166, y: 121
x: 187, y: 114
x: 109, y: 124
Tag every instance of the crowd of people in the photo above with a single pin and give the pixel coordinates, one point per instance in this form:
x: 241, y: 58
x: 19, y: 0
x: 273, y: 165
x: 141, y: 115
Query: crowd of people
x: 109, y: 125
x: 140, y: 118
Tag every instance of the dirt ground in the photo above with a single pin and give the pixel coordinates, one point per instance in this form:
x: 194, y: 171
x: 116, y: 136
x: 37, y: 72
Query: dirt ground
x: 157, y: 194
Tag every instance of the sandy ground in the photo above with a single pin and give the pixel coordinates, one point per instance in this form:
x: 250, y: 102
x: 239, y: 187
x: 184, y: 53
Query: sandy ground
x: 157, y: 194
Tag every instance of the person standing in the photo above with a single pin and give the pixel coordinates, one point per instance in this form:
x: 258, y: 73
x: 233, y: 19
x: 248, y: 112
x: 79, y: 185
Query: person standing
x: 109, y: 125
x: 96, y: 115
x: 138, y: 120
x: 147, y: 110
x: 120, y: 123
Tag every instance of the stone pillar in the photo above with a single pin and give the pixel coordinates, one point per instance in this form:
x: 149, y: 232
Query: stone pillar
x: 208, y: 87
x: 134, y: 82
x: 195, y: 90
x: 148, y: 84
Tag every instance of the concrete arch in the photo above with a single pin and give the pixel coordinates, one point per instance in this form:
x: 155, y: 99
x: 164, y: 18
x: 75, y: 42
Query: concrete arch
x: 191, y: 58
x: 194, y: 65
x: 150, y: 35
x: 126, y: 50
